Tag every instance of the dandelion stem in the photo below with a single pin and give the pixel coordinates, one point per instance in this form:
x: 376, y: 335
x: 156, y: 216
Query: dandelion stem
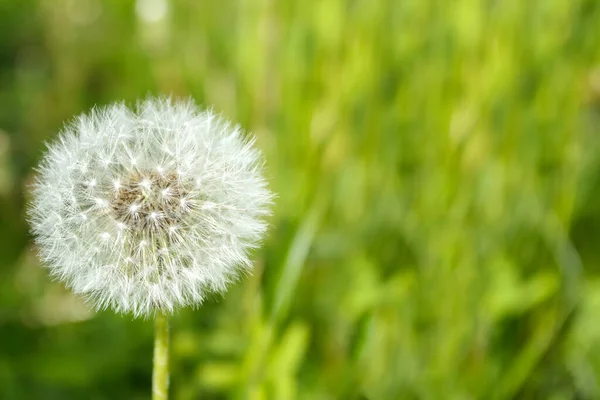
x: 160, y: 375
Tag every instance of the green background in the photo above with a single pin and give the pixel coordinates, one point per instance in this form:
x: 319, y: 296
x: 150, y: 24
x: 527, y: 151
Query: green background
x: 437, y: 229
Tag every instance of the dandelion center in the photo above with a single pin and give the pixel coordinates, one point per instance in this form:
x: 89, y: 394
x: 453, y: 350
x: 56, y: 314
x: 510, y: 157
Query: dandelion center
x: 150, y: 202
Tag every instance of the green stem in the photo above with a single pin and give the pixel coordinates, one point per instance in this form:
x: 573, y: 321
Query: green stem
x: 160, y: 374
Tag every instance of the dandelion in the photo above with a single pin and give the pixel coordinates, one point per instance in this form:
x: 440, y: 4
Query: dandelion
x: 147, y: 210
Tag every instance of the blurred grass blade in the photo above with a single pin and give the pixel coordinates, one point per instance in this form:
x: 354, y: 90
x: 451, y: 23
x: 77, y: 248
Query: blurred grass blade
x: 296, y: 256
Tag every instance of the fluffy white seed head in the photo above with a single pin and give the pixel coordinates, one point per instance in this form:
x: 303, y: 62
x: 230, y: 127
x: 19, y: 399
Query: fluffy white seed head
x: 149, y: 209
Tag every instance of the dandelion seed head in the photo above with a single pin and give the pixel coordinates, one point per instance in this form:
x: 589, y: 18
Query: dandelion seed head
x: 149, y: 209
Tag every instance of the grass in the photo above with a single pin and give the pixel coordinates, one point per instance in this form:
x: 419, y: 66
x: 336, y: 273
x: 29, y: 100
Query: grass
x: 437, y: 167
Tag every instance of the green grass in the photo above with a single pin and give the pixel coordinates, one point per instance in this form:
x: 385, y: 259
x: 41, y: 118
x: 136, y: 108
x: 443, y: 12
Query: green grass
x: 437, y: 230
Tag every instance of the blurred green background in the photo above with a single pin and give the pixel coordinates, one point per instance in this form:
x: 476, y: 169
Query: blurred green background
x: 437, y: 230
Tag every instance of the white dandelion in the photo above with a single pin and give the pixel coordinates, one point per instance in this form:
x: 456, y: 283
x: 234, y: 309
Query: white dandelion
x: 148, y: 210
